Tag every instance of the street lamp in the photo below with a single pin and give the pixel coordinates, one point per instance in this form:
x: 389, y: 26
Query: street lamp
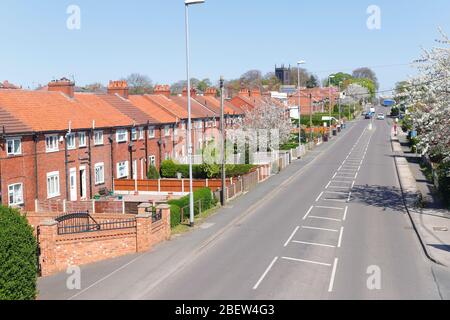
x: 340, y: 120
x: 329, y: 107
x: 187, y: 3
x: 299, y: 63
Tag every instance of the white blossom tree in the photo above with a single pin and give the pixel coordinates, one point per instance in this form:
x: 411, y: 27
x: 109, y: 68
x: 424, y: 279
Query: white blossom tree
x: 355, y: 93
x: 427, y: 98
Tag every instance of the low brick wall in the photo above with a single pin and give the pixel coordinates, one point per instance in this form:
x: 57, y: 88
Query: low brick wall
x: 58, y: 252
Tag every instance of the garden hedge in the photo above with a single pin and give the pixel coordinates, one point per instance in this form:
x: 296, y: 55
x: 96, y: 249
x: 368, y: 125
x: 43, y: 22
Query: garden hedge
x: 18, y: 257
x: 153, y: 173
x: 169, y: 170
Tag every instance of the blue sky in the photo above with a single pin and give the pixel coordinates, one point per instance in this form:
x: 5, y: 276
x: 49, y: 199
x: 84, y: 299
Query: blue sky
x: 228, y: 37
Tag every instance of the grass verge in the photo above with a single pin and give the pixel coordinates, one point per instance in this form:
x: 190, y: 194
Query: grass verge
x: 184, y: 227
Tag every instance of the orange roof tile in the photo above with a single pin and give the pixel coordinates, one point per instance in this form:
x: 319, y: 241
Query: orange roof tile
x: 152, y: 109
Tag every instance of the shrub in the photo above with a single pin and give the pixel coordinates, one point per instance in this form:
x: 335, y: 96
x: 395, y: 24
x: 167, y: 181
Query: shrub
x: 175, y: 215
x: 211, y: 170
x: 153, y: 173
x: 18, y: 257
x: 168, y: 169
x: 206, y: 197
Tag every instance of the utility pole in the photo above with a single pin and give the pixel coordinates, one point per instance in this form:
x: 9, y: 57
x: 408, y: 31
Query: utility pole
x: 330, y: 105
x: 223, y: 199
x: 310, y: 117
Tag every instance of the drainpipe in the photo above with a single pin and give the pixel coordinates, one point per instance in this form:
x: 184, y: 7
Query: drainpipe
x: 111, y: 142
x: 147, y: 130
x: 66, y: 164
x: 160, y: 142
x: 36, y: 181
x: 90, y: 135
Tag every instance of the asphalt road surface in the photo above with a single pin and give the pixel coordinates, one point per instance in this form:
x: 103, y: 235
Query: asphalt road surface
x: 332, y: 226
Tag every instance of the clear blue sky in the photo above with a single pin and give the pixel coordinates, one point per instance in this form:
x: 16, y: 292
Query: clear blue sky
x: 228, y: 37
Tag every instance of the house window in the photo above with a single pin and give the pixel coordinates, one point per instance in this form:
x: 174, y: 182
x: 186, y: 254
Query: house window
x: 134, y: 134
x: 122, y: 170
x: 122, y: 135
x: 141, y: 133
x: 152, y: 160
x: 70, y: 141
x: 53, y: 185
x: 167, y: 131
x: 98, y: 138
x: 51, y: 143
x: 82, y: 139
x: 15, y: 194
x: 14, y: 146
x: 99, y: 173
x: 151, y: 132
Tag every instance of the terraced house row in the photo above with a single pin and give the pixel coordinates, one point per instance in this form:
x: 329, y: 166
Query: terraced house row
x: 58, y: 144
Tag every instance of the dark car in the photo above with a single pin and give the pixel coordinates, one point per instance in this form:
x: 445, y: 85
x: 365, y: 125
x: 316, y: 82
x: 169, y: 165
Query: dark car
x: 368, y: 116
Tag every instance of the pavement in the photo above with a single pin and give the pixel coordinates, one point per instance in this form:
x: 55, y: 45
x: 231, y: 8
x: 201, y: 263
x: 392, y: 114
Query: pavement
x: 432, y: 221
x: 332, y: 225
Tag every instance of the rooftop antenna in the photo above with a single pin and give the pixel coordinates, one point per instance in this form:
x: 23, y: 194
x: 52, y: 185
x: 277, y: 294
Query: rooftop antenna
x: 93, y: 124
x: 70, y: 127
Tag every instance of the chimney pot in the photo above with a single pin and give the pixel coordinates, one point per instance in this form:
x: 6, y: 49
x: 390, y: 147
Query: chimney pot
x: 119, y: 87
x: 64, y: 86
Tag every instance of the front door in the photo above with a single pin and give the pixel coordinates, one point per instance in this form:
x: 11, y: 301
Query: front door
x: 73, y: 184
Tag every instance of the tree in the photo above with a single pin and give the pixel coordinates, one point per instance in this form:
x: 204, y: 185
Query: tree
x: 340, y: 77
x: 427, y: 98
x: 93, y: 87
x: 204, y: 84
x: 18, y: 257
x: 271, y: 82
x: 366, y: 73
x: 355, y: 93
x: 252, y: 78
x: 312, y: 82
x: 139, y: 84
x: 304, y: 77
x: 366, y: 83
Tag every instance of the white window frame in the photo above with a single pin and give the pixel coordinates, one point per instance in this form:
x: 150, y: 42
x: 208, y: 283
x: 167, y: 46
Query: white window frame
x: 71, y: 137
x: 82, y: 142
x: 97, y: 138
x: 55, y: 143
x: 124, y: 164
x: 141, y: 133
x: 102, y: 178
x: 14, y: 141
x: 122, y: 135
x: 134, y: 134
x: 17, y: 200
x: 152, y: 160
x: 151, y: 132
x: 167, y: 131
x: 56, y: 192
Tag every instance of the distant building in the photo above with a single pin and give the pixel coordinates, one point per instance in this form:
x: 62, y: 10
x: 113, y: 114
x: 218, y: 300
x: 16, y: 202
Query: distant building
x: 283, y: 74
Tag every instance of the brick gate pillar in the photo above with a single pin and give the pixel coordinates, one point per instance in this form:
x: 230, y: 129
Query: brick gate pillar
x: 143, y: 228
x: 48, y: 231
x: 165, y: 208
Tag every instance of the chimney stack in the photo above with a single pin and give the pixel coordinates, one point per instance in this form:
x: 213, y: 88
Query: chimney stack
x: 64, y: 86
x: 255, y: 92
x: 210, y: 92
x: 118, y: 87
x: 244, y: 93
x: 193, y: 92
x: 162, y: 89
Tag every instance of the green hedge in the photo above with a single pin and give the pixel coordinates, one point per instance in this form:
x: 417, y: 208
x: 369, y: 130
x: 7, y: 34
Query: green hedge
x: 207, y: 199
x: 169, y: 170
x: 18, y: 257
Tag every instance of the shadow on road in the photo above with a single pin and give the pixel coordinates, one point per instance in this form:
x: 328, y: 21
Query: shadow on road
x: 379, y: 196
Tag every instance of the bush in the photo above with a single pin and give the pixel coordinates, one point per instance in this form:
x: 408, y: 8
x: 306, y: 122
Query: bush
x: 18, y: 257
x: 153, y: 173
x: 175, y: 215
x: 168, y: 169
x: 206, y: 197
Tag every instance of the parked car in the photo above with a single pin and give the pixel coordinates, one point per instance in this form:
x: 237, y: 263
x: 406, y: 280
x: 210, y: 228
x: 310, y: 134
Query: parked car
x: 368, y: 116
x: 381, y: 116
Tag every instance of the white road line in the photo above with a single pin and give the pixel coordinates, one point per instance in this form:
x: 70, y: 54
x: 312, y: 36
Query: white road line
x: 331, y: 208
x: 338, y: 181
x: 338, y: 187
x: 349, y: 197
x: 292, y: 236
x: 346, y: 177
x: 328, y: 185
x: 356, y: 175
x: 340, y: 168
x: 307, y: 261
x: 265, y: 273
x: 320, y: 196
x: 324, y: 218
x: 335, y: 200
x: 307, y: 214
x: 340, y: 237
x: 345, y: 213
x: 334, y: 176
x: 336, y: 192
x: 320, y: 229
x: 353, y: 184
x: 314, y: 244
x: 333, y: 275
x: 359, y: 168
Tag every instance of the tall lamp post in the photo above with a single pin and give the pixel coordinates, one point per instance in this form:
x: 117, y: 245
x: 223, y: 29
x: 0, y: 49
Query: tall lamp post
x: 340, y: 118
x: 329, y: 106
x: 187, y: 3
x: 299, y: 63
x: 222, y: 132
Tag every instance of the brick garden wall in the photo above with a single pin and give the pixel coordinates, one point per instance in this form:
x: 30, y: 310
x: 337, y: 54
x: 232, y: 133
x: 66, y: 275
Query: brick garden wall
x: 58, y: 252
